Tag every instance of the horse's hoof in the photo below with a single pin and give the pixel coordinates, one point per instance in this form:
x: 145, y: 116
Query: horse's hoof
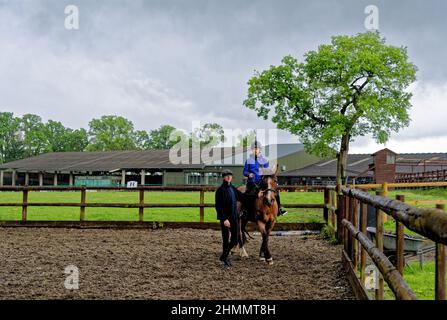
x: 270, y: 261
x: 243, y: 253
x: 262, y: 259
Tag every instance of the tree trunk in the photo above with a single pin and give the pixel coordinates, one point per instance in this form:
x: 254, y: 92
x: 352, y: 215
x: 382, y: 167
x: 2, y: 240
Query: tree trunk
x: 342, y: 160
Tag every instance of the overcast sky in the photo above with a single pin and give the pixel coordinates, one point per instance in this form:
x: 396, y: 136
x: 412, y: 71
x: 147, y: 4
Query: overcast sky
x: 175, y: 62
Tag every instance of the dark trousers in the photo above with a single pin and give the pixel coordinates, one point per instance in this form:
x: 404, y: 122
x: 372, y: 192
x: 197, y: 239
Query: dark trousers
x: 229, y: 237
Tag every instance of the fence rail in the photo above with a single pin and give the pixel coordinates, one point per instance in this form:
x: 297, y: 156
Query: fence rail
x: 140, y: 205
x: 427, y: 176
x: 349, y: 224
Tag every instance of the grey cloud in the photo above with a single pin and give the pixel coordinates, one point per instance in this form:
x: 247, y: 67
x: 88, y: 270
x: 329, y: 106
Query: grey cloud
x: 159, y: 62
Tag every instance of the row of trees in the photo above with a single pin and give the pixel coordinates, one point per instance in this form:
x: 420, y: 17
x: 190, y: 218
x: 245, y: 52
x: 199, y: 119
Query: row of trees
x: 27, y: 136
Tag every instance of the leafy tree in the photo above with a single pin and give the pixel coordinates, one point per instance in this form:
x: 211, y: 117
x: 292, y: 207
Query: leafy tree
x: 111, y: 133
x: 160, y: 138
x: 62, y: 139
x: 34, y: 137
x: 354, y: 86
x: 56, y: 135
x: 209, y: 135
x: 245, y: 140
x: 11, y: 146
x: 142, y: 141
x: 76, y: 140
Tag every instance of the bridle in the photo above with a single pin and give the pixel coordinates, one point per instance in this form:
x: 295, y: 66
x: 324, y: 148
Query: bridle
x: 266, y: 191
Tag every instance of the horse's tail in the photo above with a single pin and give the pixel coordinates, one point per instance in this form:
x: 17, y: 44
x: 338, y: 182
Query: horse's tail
x: 246, y: 233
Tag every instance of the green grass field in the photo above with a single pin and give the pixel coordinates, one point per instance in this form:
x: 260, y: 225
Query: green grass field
x: 151, y: 214
x: 421, y: 281
x: 413, y: 195
x: 171, y: 214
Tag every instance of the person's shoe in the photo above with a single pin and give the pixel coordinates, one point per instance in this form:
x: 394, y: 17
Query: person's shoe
x: 226, y: 264
x: 282, y: 211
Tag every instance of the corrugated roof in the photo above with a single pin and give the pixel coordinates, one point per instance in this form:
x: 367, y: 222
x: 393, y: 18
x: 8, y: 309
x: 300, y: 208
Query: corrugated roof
x: 271, y: 151
x: 359, y: 163
x: 114, y: 160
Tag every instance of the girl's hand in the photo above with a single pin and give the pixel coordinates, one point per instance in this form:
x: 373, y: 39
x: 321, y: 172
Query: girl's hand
x: 227, y: 223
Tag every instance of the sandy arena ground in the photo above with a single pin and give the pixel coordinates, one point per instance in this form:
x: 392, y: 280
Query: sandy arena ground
x: 164, y: 264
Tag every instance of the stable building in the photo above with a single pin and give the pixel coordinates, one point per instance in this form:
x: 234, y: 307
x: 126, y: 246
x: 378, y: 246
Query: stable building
x: 382, y: 166
x: 151, y: 167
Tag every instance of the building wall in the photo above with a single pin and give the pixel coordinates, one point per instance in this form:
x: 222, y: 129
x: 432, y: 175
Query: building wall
x: 383, y: 171
x: 297, y: 160
x: 172, y: 178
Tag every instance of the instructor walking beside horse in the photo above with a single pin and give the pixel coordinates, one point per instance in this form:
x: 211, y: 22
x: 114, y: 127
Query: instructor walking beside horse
x: 226, y: 207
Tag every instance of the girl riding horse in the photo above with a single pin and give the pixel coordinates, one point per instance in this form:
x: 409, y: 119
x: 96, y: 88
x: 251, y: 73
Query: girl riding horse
x: 253, y: 171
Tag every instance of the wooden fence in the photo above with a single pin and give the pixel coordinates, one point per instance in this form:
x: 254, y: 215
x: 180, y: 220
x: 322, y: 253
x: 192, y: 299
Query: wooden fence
x: 348, y: 219
x: 401, y: 185
x: 141, y: 205
x: 427, y: 176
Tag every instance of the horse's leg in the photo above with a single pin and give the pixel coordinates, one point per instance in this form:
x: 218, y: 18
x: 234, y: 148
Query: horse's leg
x: 243, y: 239
x: 261, y: 227
x: 238, y: 243
x: 269, y: 228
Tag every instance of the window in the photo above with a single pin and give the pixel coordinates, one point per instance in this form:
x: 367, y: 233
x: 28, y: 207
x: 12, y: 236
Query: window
x: 390, y: 158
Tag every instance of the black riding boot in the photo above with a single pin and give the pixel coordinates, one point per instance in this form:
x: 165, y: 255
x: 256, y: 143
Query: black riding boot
x: 281, y: 210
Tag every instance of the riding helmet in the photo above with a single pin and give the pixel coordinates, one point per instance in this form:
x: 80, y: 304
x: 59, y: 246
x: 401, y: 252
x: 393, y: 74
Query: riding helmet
x: 256, y: 144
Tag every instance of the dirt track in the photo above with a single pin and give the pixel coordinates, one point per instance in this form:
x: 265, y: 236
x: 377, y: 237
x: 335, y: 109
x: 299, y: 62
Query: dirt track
x: 163, y: 264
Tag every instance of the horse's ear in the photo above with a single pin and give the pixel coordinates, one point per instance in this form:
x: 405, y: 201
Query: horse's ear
x: 276, y: 170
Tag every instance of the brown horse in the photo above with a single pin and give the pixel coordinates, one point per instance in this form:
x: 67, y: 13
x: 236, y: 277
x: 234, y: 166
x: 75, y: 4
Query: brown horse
x: 266, y: 210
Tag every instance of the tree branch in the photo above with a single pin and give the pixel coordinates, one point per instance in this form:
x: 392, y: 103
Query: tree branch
x: 346, y: 105
x: 306, y: 112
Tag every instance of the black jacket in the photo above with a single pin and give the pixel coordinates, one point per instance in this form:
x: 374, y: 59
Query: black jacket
x: 223, y: 204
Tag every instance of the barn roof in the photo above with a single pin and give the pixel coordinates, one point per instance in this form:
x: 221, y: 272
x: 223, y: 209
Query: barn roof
x: 115, y: 160
x: 359, y: 163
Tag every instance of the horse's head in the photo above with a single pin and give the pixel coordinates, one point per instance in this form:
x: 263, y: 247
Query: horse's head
x: 269, y: 184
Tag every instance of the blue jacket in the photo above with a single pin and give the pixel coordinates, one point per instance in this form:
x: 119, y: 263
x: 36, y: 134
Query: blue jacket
x: 253, y: 165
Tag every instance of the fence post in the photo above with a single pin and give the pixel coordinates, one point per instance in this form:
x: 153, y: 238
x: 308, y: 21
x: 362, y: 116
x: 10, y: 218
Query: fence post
x: 202, y: 208
x: 385, y: 194
x: 349, y: 218
x: 333, y: 214
x: 400, y: 241
x: 83, y: 197
x: 355, y: 243
x: 141, y: 208
x: 364, y: 215
x: 379, y: 245
x: 340, y: 216
x: 346, y: 234
x: 326, y: 203
x: 25, y: 205
x: 440, y: 267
